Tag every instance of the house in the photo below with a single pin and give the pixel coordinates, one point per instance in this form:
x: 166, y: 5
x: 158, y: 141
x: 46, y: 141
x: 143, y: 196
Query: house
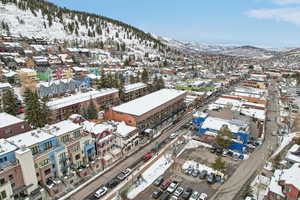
x: 11, y: 125
x: 285, y: 184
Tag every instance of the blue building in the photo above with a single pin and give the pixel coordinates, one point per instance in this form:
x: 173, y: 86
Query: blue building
x: 207, y: 125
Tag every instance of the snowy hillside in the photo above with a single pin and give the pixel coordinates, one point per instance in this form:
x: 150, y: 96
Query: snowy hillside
x: 53, y: 22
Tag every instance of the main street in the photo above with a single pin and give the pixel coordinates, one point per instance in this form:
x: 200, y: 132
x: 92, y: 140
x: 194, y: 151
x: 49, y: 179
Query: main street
x: 88, y: 191
x: 258, y: 158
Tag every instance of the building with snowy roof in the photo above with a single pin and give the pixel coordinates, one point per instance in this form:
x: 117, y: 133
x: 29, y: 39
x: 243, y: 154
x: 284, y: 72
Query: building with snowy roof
x: 150, y: 110
x: 74, y: 103
x: 133, y: 91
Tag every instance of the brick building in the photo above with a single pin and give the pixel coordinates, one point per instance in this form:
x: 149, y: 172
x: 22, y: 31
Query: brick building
x: 134, y: 91
x: 74, y: 104
x: 11, y: 125
x: 150, y: 110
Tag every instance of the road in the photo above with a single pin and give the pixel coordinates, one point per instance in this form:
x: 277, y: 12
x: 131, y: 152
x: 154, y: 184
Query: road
x: 88, y: 191
x: 234, y: 184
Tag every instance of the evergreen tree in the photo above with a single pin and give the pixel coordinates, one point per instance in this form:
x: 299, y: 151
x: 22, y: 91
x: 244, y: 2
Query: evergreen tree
x: 10, y: 103
x: 37, y: 112
x: 92, y: 111
x: 224, y: 138
x: 219, y: 165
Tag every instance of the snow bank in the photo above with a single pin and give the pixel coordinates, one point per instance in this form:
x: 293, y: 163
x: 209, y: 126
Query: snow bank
x: 285, y: 140
x: 157, y: 169
x: 195, y: 165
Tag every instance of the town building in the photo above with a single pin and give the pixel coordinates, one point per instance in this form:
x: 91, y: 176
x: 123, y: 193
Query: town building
x: 134, y: 91
x: 285, y: 184
x: 74, y: 104
x: 11, y: 125
x: 151, y: 110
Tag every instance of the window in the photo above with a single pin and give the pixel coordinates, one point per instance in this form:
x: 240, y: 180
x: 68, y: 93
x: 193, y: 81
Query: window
x: 65, y: 138
x: 22, y: 127
x: 8, y: 131
x: 35, y: 150
x: 75, y: 148
x: 77, y: 134
x: 11, y: 177
x: 44, y: 162
x: 48, y: 145
x: 3, y: 195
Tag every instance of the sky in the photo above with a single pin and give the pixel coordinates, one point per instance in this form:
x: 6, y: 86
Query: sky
x: 266, y: 23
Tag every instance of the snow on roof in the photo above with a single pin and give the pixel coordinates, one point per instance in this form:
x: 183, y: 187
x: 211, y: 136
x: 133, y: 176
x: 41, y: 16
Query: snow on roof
x: 124, y: 130
x: 217, y: 123
x: 6, y: 147
x: 30, y: 138
x: 200, y: 114
x: 62, y: 127
x: 292, y: 157
x: 96, y: 128
x: 135, y: 86
x: 288, y: 176
x: 149, y: 102
x: 258, y: 114
x: 7, y: 120
x: 4, y: 85
x: 226, y: 101
x: 79, y: 97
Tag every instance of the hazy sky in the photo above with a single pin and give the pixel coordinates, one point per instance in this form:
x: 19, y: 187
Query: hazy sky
x: 254, y: 22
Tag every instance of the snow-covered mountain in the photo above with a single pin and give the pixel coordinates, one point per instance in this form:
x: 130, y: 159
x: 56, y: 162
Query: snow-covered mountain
x: 41, y: 19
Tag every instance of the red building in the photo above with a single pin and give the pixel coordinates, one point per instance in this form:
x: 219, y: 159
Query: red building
x: 11, y: 125
x: 285, y: 184
x: 74, y: 104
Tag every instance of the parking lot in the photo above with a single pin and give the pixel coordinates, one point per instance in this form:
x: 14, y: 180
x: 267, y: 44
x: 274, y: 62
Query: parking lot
x: 176, y: 173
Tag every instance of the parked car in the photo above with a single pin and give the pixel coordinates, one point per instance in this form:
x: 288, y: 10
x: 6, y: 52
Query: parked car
x: 203, y: 196
x: 158, y: 181
x: 165, y: 196
x: 165, y: 184
x: 195, y: 195
x: 124, y: 174
x: 113, y: 183
x: 178, y: 191
x: 187, y: 193
x: 211, y: 178
x: 156, y: 194
x: 172, y: 187
x: 203, y: 174
x: 230, y: 153
x: 195, y: 173
x: 173, y: 198
x: 101, y: 192
x: 148, y: 156
x: 219, y: 151
x: 173, y: 135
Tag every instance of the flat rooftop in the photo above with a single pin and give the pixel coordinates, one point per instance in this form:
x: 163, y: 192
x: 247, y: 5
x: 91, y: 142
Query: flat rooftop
x: 7, y: 120
x: 149, y: 102
x: 135, y: 86
x: 30, y: 138
x: 78, y: 98
x: 6, y: 147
